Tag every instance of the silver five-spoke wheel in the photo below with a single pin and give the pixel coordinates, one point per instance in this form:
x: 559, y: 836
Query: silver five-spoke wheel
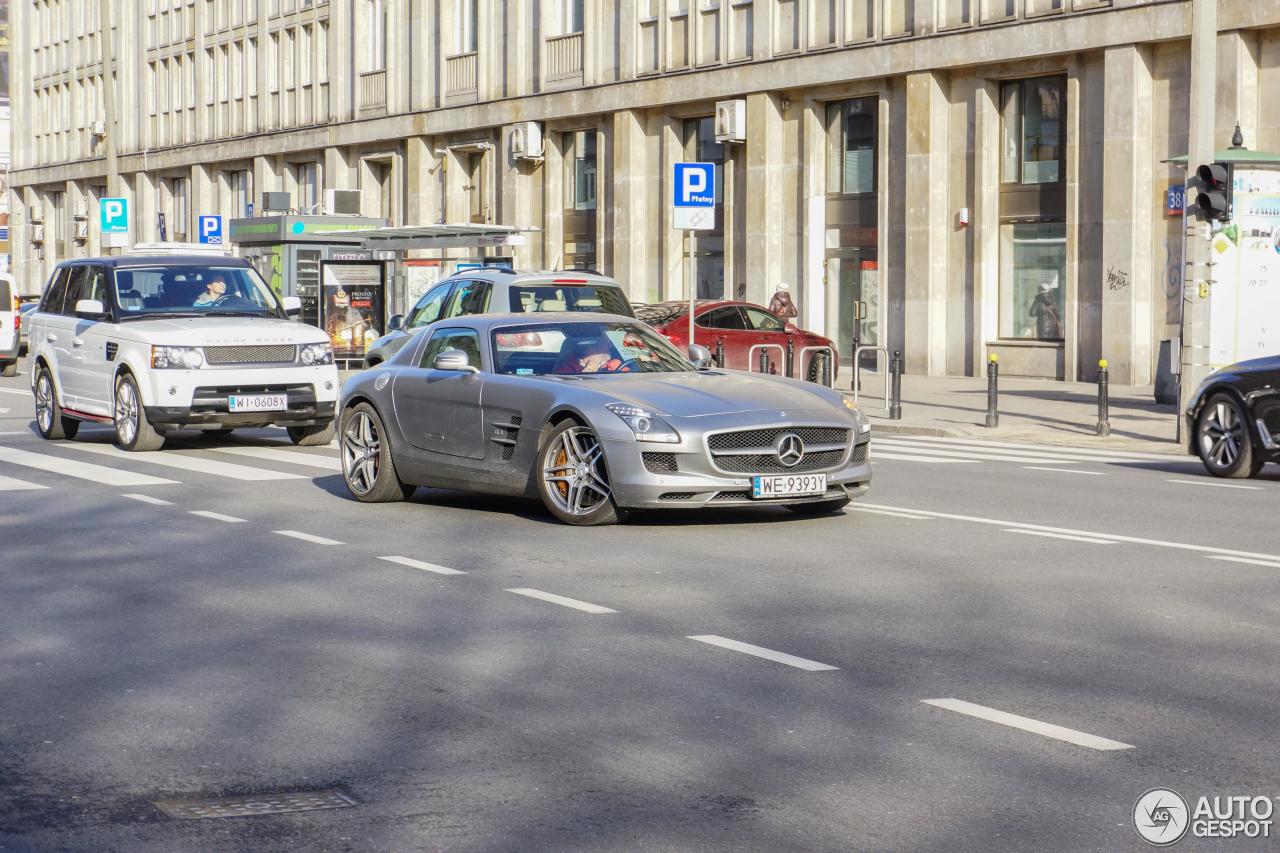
x: 44, y: 402
x: 126, y: 413
x: 361, y: 448
x: 575, y: 481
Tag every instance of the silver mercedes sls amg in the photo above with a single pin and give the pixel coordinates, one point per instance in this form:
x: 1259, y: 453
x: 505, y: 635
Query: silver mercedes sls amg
x: 596, y: 417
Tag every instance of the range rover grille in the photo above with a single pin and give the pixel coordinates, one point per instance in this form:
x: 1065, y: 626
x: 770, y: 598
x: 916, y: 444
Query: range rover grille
x: 251, y: 354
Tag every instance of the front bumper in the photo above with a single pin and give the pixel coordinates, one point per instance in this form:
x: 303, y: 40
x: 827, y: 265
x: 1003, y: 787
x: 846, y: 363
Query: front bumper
x: 196, y: 399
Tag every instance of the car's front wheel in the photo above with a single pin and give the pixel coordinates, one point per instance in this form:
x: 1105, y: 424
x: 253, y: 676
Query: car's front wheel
x: 367, y: 466
x: 1223, y: 440
x: 52, y: 424
x: 573, y: 480
x: 312, y: 436
x: 133, y: 431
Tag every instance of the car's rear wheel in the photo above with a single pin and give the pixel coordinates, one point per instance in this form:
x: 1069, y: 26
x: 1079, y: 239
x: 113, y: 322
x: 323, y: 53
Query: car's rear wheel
x: 1223, y: 439
x: 367, y: 466
x: 819, y: 507
x: 133, y: 431
x: 50, y: 421
x: 573, y: 480
x: 312, y: 436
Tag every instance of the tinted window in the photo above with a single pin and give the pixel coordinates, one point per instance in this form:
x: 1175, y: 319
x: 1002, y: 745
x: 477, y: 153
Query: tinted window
x: 429, y: 306
x: 6, y: 297
x: 76, y: 280
x: 728, y: 317
x: 87, y: 282
x: 193, y: 290
x: 598, y: 298
x: 56, y: 291
x: 583, y: 347
x: 470, y: 297
x: 465, y: 340
x: 763, y: 321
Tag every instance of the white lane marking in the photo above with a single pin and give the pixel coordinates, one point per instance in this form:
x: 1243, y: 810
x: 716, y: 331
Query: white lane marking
x: 1114, y: 537
x: 11, y: 484
x: 886, y: 512
x: 307, y: 537
x: 76, y: 468
x: 4, y: 411
x: 15, y: 432
x: 147, y: 499
x: 1027, y: 724
x: 993, y: 455
x: 26, y: 394
x: 1091, y: 539
x: 880, y: 454
x: 291, y: 457
x: 197, y: 464
x: 418, y: 564
x: 761, y: 652
x: 1272, y: 564
x: 1118, y: 455
x: 1218, y: 485
x: 584, y: 606
x: 1064, y: 470
x: 216, y: 516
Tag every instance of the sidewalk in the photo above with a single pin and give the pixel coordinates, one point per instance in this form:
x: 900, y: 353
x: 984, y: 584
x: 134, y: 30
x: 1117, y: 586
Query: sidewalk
x: 1030, y: 410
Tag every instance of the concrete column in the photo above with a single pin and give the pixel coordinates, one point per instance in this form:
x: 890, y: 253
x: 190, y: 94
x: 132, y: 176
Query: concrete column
x: 553, y: 201
x: 422, y: 55
x: 340, y: 169
x: 519, y: 62
x: 959, y: 240
x: 515, y: 193
x: 266, y: 178
x: 342, y: 70
x: 1073, y: 366
x: 423, y: 170
x: 766, y: 191
x: 672, y: 262
x: 488, y: 53
x: 624, y: 44
x: 1237, y: 88
x: 204, y: 191
x: 75, y: 197
x: 811, y: 290
x: 927, y: 221
x: 630, y: 219
x: 1127, y: 213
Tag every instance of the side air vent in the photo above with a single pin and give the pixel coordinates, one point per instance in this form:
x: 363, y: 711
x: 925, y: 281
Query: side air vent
x: 504, y: 435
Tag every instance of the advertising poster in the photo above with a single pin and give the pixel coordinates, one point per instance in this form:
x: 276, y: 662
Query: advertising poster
x: 1245, y: 314
x: 419, y: 274
x: 353, y: 307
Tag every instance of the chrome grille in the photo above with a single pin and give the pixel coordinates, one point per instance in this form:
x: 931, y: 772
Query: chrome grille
x: 675, y: 496
x: 860, y: 453
x: 731, y: 452
x: 252, y: 354
x: 659, y: 463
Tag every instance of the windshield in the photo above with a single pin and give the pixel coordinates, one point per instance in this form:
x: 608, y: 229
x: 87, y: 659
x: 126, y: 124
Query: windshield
x: 579, y: 348
x: 192, y: 291
x: 597, y: 298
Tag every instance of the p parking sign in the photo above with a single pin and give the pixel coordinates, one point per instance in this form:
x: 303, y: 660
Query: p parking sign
x: 693, y: 196
x: 113, y: 215
x: 210, y: 230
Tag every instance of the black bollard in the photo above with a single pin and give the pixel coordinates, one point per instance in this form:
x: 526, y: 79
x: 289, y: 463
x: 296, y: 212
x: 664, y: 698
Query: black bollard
x: 764, y: 360
x: 857, y: 375
x: 1104, y: 404
x: 719, y: 352
x: 826, y: 367
x: 993, y: 391
x: 895, y: 386
x: 791, y: 355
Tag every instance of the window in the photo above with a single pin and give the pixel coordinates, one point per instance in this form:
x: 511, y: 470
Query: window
x: 241, y: 193
x: 188, y: 288
x: 56, y: 291
x: 851, y: 164
x: 728, y: 317
x: 763, y: 321
x: 465, y: 340
x: 307, y: 177
x: 1033, y: 266
x: 472, y: 297
x: 429, y: 306
x: 580, y: 186
x: 85, y: 282
x: 1032, y: 138
x: 464, y: 26
x: 606, y: 299
x: 571, y: 16
x: 376, y: 20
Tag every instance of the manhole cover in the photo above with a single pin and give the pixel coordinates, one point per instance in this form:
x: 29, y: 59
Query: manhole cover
x: 253, y: 804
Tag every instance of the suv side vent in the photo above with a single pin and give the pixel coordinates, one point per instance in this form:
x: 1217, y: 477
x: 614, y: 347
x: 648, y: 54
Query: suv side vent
x: 504, y: 435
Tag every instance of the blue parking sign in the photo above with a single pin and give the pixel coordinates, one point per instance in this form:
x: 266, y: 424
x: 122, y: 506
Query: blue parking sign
x: 211, y: 230
x: 693, y: 196
x: 113, y: 215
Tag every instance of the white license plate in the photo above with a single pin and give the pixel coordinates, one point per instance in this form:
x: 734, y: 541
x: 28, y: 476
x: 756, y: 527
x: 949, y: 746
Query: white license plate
x: 258, y: 402
x: 788, y: 485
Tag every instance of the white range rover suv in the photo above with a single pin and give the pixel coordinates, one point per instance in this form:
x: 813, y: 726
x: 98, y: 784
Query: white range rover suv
x: 155, y: 343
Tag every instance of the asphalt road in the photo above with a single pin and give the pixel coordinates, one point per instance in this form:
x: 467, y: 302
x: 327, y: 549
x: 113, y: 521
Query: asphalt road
x: 179, y: 640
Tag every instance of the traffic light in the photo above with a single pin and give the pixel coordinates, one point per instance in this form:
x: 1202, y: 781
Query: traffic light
x: 1214, y: 200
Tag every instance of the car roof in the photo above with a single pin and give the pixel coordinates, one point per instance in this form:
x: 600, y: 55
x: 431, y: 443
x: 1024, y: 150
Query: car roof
x: 485, y: 322
x: 160, y: 261
x: 510, y: 276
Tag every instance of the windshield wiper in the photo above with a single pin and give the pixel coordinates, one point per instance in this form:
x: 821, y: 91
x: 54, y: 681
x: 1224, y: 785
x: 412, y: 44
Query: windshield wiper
x: 152, y: 315
x: 233, y: 313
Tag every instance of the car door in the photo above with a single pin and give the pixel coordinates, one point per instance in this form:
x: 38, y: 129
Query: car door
x: 770, y: 332
x: 439, y: 410
x: 93, y: 341
x: 53, y: 330
x: 727, y: 326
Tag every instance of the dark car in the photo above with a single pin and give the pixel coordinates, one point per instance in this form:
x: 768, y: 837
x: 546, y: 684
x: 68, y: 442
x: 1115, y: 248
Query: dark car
x: 1233, y: 420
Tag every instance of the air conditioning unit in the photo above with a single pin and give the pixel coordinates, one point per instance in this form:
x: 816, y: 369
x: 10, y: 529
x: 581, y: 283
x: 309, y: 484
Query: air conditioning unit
x: 731, y: 121
x: 82, y: 231
x: 526, y: 141
x: 82, y: 211
x: 342, y: 202
x: 37, y: 234
x: 35, y: 214
x: 100, y: 129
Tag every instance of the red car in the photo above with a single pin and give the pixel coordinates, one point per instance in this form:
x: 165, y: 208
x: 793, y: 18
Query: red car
x: 745, y: 330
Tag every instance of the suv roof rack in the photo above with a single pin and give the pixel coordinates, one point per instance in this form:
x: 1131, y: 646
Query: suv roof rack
x: 178, y: 249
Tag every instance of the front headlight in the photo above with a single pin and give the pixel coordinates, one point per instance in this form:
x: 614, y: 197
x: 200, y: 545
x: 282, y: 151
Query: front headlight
x: 178, y: 358
x: 311, y: 354
x: 646, y: 426
x: 864, y: 425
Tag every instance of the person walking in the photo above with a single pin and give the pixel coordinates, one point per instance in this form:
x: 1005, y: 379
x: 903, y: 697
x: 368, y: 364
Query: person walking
x: 781, y: 304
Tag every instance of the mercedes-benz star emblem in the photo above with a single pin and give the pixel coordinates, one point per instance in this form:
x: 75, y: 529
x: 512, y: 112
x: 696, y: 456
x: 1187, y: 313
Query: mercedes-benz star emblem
x: 790, y: 449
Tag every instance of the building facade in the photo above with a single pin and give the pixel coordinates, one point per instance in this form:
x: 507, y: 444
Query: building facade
x: 949, y: 178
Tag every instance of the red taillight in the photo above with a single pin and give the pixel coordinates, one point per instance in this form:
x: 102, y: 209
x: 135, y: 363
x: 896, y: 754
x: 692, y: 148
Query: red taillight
x: 568, y: 281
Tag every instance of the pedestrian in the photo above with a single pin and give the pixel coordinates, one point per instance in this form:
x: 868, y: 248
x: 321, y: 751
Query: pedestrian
x: 781, y: 304
x: 1044, y: 311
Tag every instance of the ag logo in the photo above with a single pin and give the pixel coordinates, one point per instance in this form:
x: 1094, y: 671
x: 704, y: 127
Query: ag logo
x: 1161, y: 817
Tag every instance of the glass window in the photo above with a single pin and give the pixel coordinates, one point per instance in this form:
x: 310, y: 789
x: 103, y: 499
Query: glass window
x: 586, y: 347
x: 465, y: 26
x: 191, y: 290
x: 600, y: 299
x: 465, y: 340
x: 429, y: 306
x: 728, y: 317
x: 580, y: 189
x: 571, y: 16
x: 376, y: 20
x: 851, y: 166
x: 76, y: 285
x: 1032, y: 133
x: 1033, y: 269
x: 471, y: 297
x: 763, y: 321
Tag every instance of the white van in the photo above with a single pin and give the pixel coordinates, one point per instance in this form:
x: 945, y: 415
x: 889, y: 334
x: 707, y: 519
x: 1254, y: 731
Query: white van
x: 9, y: 320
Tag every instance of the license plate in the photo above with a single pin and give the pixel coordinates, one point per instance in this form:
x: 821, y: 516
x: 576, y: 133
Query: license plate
x: 258, y: 402
x: 788, y: 485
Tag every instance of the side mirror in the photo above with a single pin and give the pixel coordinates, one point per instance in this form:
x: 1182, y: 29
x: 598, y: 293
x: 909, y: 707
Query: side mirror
x: 396, y: 323
x: 700, y: 356
x: 292, y: 306
x: 90, y: 309
x: 453, y: 359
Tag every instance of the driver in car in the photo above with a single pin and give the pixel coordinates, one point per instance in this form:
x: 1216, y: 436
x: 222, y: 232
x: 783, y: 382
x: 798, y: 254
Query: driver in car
x: 213, y: 291
x: 591, y: 356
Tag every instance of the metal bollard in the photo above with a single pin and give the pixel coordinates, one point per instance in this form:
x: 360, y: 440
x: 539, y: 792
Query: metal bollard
x: 1104, y: 404
x: 826, y: 368
x: 993, y: 391
x: 895, y: 386
x: 764, y: 360
x: 791, y: 355
x: 857, y: 374
x: 720, y: 352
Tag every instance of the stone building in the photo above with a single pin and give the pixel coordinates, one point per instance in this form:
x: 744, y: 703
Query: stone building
x: 973, y: 176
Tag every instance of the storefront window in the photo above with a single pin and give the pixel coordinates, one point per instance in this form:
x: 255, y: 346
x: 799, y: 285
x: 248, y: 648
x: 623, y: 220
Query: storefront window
x: 1032, y: 145
x: 1033, y: 269
x: 851, y: 162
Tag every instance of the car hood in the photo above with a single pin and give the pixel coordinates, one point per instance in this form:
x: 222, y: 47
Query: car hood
x: 1254, y: 365
x: 705, y: 392
x: 221, y: 331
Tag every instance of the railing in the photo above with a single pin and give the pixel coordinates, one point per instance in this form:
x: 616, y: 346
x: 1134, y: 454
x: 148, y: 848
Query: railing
x: 763, y: 349
x: 373, y: 89
x: 460, y: 74
x: 857, y: 370
x: 564, y: 56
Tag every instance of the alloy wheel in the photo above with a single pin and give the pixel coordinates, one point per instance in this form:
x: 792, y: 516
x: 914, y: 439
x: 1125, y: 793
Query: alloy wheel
x: 127, y: 412
x: 44, y: 401
x: 573, y: 468
x: 361, y: 450
x: 1222, y: 435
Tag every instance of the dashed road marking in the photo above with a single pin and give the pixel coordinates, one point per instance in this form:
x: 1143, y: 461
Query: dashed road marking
x: 16, y: 391
x: 1027, y: 724
x: 761, y: 652
x: 1063, y: 470
x: 188, y: 463
x: 418, y: 564
x: 78, y: 469
x: 1091, y: 539
x: 974, y: 454
x: 887, y: 512
x: 1273, y: 564
x: 933, y: 460
x: 307, y: 537
x: 584, y: 606
x: 12, y: 484
x: 148, y: 499
x: 1218, y: 485
x: 216, y: 516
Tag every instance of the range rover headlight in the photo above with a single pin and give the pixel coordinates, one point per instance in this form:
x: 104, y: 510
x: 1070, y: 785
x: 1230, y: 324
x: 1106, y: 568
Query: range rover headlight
x: 311, y: 354
x: 645, y: 425
x: 178, y: 358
